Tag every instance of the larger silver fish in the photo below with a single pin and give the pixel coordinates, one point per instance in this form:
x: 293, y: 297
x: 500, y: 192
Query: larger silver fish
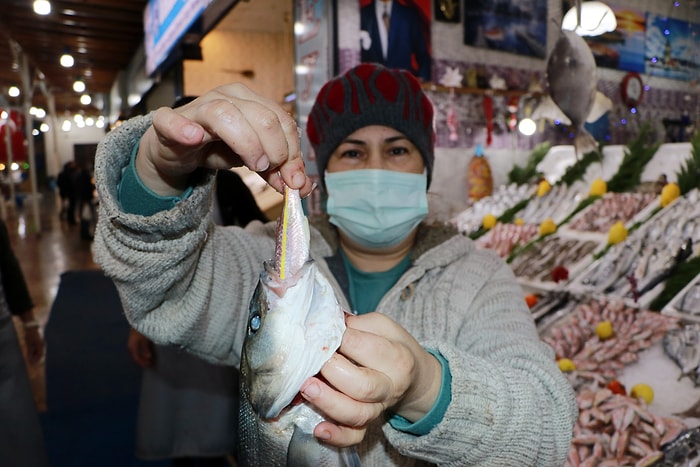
x: 572, y: 76
x: 294, y: 326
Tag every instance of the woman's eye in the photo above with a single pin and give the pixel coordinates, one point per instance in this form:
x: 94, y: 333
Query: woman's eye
x: 398, y: 151
x: 351, y: 154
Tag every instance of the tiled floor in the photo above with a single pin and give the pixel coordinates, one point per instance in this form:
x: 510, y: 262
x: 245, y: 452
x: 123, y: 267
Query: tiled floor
x: 44, y: 252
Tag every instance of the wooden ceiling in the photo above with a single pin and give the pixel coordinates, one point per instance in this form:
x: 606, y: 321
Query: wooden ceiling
x: 102, y: 36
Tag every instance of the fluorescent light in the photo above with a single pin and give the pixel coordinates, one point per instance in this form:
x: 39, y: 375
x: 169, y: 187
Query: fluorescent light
x: 596, y: 18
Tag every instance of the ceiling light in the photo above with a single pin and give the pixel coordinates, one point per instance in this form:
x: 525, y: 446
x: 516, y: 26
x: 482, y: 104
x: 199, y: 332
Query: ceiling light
x: 44, y: 127
x: 596, y: 18
x: 42, y: 7
x: 85, y: 99
x: 79, y: 85
x: 67, y: 60
x: 66, y: 126
x: 527, y: 126
x: 13, y: 91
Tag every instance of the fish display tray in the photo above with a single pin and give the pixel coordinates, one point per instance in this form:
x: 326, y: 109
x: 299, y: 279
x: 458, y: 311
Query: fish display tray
x: 538, y: 276
x: 596, y: 209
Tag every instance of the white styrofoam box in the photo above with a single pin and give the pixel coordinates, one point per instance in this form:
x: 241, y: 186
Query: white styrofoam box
x: 612, y: 158
x: 667, y: 160
x: 554, y: 164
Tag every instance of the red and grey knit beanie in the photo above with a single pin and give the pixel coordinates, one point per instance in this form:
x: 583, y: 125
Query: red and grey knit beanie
x: 370, y: 94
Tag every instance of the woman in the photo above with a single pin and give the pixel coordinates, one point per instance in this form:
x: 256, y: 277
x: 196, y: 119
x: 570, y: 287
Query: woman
x: 441, y: 365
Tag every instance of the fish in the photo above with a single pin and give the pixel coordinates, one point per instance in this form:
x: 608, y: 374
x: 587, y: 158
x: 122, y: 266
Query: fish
x: 683, y: 450
x: 682, y: 345
x: 295, y: 324
x: 572, y: 78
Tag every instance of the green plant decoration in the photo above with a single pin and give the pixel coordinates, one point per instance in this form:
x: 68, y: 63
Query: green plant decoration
x: 528, y: 174
x: 638, y: 153
x: 682, y: 275
x: 689, y: 175
x: 577, y: 170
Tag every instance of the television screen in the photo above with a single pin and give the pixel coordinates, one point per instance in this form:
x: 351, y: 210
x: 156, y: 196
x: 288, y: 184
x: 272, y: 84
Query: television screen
x: 165, y: 22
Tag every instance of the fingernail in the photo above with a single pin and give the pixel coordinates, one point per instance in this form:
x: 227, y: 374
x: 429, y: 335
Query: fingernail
x: 263, y: 164
x: 325, y: 435
x: 298, y: 179
x: 312, y: 390
x: 189, y: 131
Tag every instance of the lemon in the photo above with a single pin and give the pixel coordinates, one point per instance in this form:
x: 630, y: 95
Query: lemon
x: 669, y: 192
x: 566, y: 364
x: 643, y: 391
x: 547, y: 226
x: 519, y: 221
x: 598, y: 187
x: 543, y: 188
x: 489, y: 221
x: 617, y: 233
x: 604, y: 330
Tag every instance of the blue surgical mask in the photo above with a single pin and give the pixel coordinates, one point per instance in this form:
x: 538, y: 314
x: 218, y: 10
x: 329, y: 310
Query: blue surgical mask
x: 376, y: 208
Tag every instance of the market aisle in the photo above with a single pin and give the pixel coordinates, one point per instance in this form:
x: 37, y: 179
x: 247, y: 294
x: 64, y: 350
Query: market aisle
x: 56, y: 248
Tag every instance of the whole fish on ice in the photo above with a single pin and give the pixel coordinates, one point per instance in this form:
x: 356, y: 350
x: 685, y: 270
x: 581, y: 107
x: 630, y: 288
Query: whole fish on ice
x: 572, y: 77
x: 295, y: 324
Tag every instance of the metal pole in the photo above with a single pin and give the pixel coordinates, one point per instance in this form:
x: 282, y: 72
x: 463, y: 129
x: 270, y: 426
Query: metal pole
x: 28, y: 91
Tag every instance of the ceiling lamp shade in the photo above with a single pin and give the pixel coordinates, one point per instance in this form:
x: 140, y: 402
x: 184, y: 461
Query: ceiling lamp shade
x: 596, y: 18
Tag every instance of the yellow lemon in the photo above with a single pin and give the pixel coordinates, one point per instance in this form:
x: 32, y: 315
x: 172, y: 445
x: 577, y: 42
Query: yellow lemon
x: 543, y: 188
x: 566, y: 364
x: 489, y: 221
x: 604, y: 330
x: 669, y: 192
x: 617, y: 233
x: 643, y: 391
x: 547, y: 226
x: 519, y: 221
x: 598, y: 187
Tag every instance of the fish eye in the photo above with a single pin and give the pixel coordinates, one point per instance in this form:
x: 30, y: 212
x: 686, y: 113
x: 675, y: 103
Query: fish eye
x: 254, y: 323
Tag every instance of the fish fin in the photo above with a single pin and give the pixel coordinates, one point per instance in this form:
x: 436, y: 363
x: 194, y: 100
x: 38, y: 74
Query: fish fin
x: 306, y: 450
x: 584, y: 143
x: 548, y: 109
x: 601, y: 105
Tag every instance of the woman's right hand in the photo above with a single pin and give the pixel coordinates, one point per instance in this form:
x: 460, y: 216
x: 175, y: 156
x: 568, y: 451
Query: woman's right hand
x: 227, y: 127
x: 140, y: 349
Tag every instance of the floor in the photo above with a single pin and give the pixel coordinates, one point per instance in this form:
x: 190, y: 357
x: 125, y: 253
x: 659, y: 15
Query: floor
x: 44, y: 251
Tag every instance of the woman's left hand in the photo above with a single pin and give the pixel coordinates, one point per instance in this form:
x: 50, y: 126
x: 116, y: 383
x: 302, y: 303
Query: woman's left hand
x: 378, y: 366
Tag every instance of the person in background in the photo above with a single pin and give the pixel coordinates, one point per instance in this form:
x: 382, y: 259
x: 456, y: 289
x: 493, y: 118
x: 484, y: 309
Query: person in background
x: 66, y: 192
x: 188, y: 409
x: 21, y: 438
x: 85, y: 198
x: 476, y: 385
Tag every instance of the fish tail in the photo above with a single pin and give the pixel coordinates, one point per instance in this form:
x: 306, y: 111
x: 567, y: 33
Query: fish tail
x: 584, y: 143
x: 292, y: 246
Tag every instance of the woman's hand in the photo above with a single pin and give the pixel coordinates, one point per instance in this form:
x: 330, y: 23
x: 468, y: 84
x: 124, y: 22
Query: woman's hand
x: 140, y: 349
x: 379, y: 366
x: 34, y: 343
x: 227, y: 127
